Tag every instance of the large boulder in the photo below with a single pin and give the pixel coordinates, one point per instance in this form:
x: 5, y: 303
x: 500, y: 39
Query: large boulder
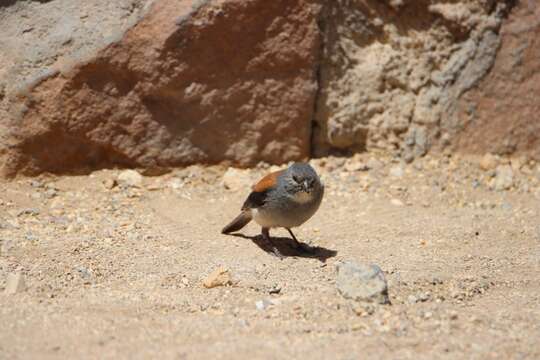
x: 39, y: 37
x: 190, y: 82
x: 502, y: 114
x: 157, y: 83
x: 394, y: 71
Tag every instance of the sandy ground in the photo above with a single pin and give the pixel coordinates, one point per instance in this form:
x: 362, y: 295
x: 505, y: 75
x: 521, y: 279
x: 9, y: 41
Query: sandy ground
x: 116, y: 272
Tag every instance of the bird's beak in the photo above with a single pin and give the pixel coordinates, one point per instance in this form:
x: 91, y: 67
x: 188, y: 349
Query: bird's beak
x: 306, y: 186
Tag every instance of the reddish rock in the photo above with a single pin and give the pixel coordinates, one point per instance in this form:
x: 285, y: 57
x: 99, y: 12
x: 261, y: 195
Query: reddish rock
x: 192, y: 82
x: 502, y: 115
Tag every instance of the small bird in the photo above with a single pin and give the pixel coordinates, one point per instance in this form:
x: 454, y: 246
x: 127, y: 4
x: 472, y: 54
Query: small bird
x: 285, y: 198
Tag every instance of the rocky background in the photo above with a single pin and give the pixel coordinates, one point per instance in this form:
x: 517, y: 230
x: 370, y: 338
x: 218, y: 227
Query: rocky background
x: 420, y: 249
x: 154, y: 84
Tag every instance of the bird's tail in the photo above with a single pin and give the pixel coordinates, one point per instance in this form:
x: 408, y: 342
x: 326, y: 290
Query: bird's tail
x: 239, y: 222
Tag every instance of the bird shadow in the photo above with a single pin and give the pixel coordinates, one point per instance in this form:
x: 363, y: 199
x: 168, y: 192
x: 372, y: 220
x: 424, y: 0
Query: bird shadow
x: 287, y: 249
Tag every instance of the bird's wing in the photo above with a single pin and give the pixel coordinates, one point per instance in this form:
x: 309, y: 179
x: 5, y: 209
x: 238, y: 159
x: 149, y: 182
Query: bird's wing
x: 257, y: 197
x: 255, y: 200
x: 267, y: 182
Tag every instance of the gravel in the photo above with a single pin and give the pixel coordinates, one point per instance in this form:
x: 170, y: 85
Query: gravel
x: 130, y: 261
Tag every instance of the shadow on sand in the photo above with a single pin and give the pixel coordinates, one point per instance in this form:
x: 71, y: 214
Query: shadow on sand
x: 286, y: 247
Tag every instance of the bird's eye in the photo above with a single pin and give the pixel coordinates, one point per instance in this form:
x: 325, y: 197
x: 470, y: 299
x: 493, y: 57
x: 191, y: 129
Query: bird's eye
x: 296, y: 179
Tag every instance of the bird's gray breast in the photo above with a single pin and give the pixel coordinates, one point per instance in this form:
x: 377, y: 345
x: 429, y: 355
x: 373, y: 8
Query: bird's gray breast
x: 291, y: 210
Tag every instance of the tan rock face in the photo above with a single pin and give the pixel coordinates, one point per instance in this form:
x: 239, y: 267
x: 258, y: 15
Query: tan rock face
x: 502, y: 114
x: 193, y: 82
x: 171, y: 83
x: 394, y: 70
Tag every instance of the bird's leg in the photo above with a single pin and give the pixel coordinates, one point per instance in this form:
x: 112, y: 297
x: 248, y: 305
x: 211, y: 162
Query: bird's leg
x: 266, y: 237
x: 298, y: 245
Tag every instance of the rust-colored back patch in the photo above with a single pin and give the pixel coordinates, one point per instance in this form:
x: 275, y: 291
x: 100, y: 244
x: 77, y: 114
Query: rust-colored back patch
x: 267, y: 182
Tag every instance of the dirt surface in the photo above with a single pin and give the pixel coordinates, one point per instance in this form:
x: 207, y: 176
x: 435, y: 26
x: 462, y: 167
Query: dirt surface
x: 116, y: 271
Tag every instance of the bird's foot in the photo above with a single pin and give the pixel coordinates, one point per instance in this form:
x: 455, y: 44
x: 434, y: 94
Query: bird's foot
x: 277, y: 253
x: 268, y: 241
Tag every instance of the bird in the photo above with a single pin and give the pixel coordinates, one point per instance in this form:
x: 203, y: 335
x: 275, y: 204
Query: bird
x: 286, y: 198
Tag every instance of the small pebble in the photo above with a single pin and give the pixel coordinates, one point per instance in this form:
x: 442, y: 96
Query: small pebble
x: 15, y: 284
x: 504, y: 178
x: 263, y: 304
x: 130, y: 178
x: 31, y: 212
x: 36, y: 184
x: 488, y: 162
x: 397, y: 202
x: 109, y: 183
x: 219, y: 277
x: 397, y: 171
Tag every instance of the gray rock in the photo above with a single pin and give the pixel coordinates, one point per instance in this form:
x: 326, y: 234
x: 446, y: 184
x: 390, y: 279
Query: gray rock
x: 506, y: 206
x: 362, y: 282
x: 31, y: 237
